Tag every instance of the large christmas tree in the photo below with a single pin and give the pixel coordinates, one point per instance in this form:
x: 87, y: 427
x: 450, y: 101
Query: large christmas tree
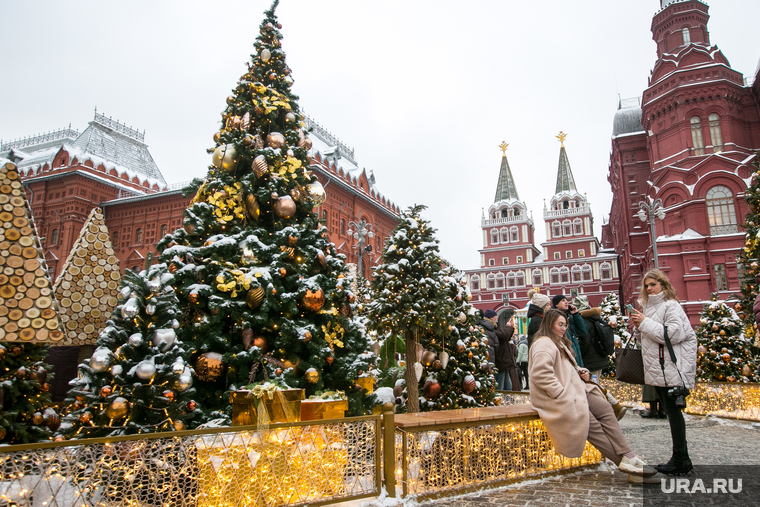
x: 262, y: 285
x: 417, y: 298
x: 749, y: 259
x: 725, y: 351
x: 612, y: 315
x: 137, y: 380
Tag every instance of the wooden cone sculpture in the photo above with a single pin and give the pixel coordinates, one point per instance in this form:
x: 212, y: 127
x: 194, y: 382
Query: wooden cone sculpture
x: 27, y: 309
x: 88, y: 286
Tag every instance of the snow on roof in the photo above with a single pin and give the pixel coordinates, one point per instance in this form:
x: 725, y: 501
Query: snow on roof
x: 687, y: 234
x: 627, y: 121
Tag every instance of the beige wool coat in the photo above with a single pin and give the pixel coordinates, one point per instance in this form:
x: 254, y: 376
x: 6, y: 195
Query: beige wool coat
x: 559, y: 396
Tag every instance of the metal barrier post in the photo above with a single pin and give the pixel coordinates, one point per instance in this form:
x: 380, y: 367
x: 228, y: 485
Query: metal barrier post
x: 389, y: 449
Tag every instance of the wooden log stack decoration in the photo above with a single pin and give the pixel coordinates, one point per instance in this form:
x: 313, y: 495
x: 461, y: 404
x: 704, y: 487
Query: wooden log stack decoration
x: 88, y: 286
x: 27, y: 310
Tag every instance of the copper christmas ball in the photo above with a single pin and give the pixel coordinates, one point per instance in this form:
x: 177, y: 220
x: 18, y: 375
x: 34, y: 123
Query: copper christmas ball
x: 726, y: 358
x: 247, y: 336
x: 701, y: 349
x: 755, y: 265
x: 292, y: 240
x: 224, y: 157
x: 168, y: 394
x: 179, y: 426
x: 428, y: 357
x: 85, y: 417
x: 209, y: 366
x: 713, y: 353
x: 312, y: 376
x: 398, y: 389
x: 437, y: 365
x: 715, y: 327
x: 460, y: 347
x: 191, y: 405
x: 52, y: 419
x: 314, y: 300
x: 285, y: 207
x: 275, y: 140
x: 118, y: 408
x: 106, y: 391
x: 261, y: 343
x: 21, y: 373
x: 278, y: 371
x: 255, y: 297
x: 468, y: 385
x: 283, y: 271
x: 431, y: 389
x: 307, y: 336
x: 329, y: 359
x: 193, y: 297
x: 305, y: 143
x: 722, y: 332
x: 746, y: 370
x: 731, y: 378
x: 738, y: 307
x: 37, y: 419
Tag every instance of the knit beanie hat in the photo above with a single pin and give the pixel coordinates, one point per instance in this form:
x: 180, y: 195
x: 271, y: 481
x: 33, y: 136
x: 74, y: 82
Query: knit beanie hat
x: 489, y: 314
x: 556, y: 299
x: 538, y: 299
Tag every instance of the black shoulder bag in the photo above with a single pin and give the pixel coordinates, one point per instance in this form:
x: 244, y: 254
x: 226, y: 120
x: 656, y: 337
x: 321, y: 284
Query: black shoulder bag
x: 678, y: 393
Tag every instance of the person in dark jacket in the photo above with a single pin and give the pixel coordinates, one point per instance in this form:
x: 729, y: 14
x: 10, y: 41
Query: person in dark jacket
x: 538, y: 304
x: 489, y: 328
x: 506, y: 354
x: 576, y: 327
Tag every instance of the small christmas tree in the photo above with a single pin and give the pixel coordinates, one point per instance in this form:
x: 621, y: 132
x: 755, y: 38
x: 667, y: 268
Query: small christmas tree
x: 612, y: 314
x: 137, y: 380
x: 414, y: 296
x: 749, y: 259
x: 24, y: 394
x: 725, y: 353
x: 263, y: 286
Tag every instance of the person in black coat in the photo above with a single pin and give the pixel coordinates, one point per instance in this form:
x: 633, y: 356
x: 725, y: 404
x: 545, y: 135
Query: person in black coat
x: 538, y: 304
x: 506, y: 354
x: 488, y: 323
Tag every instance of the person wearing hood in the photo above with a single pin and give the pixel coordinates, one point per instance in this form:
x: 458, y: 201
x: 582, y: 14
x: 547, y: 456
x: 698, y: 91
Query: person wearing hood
x: 576, y: 327
x: 488, y: 323
x: 538, y: 304
x: 506, y: 354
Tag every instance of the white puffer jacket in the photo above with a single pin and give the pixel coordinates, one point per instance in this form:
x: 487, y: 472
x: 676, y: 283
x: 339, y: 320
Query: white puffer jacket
x: 659, y: 311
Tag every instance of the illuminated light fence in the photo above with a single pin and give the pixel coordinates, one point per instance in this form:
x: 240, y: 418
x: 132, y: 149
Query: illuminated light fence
x: 722, y: 399
x: 455, y: 451
x: 513, y: 397
x: 284, y: 465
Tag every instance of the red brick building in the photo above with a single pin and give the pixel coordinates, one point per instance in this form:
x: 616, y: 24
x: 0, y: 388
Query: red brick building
x: 570, y: 262
x: 690, y: 141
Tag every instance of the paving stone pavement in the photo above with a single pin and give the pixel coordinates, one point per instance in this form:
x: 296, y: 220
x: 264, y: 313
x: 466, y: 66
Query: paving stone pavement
x: 712, y: 441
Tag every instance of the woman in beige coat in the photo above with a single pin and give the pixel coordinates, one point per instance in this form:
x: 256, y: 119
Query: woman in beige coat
x: 572, y: 409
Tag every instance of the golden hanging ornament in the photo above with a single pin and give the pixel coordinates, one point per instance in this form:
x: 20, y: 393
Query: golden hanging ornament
x: 317, y: 193
x: 284, y: 207
x: 179, y: 426
x: 252, y: 207
x: 118, y: 408
x: 321, y: 259
x: 275, y: 140
x: 261, y: 343
x: 106, y: 391
x: 255, y: 297
x: 312, y: 376
x: 259, y: 166
x: 314, y: 300
x: 209, y: 366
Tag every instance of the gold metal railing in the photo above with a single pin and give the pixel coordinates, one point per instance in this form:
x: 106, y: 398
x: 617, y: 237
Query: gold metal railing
x: 310, y: 462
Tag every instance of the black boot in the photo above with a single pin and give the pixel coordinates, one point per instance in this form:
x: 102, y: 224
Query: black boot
x: 674, y: 467
x: 652, y: 412
x: 661, y: 411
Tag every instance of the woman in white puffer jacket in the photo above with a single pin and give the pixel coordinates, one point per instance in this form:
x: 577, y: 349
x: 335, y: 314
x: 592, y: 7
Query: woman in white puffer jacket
x: 660, y: 309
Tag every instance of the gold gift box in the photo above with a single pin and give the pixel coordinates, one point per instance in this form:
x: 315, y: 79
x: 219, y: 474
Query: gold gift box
x: 367, y: 383
x: 285, y: 406
x: 312, y: 410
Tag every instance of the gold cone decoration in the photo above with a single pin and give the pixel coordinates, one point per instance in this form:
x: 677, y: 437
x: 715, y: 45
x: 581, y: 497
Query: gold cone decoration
x: 27, y: 310
x: 88, y: 287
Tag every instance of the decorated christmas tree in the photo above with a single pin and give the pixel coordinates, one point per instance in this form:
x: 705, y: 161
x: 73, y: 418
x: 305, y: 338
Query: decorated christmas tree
x: 612, y: 315
x: 137, y: 380
x: 416, y: 298
x: 725, y: 352
x: 262, y: 285
x: 749, y: 259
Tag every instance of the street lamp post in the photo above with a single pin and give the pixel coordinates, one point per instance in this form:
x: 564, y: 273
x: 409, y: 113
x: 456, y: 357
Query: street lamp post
x: 648, y: 210
x: 361, y: 231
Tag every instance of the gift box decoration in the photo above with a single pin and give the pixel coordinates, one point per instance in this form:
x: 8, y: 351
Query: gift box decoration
x: 264, y: 406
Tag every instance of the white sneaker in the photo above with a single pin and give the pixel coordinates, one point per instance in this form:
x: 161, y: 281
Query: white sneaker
x: 636, y: 466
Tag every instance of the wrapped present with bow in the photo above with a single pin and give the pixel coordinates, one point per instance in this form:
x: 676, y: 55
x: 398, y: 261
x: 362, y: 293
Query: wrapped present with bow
x: 266, y: 403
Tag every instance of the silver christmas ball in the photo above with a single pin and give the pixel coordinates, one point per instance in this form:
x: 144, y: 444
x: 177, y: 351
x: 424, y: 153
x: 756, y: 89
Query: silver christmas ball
x: 178, y: 368
x: 125, y: 292
x: 150, y: 309
x: 146, y: 370
x: 154, y: 286
x: 117, y: 369
x: 136, y: 340
x: 100, y: 362
x: 184, y: 382
x: 175, y: 324
x: 164, y: 339
x: 130, y: 308
x: 265, y: 55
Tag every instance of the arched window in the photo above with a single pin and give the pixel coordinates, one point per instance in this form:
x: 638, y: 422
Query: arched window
x: 138, y: 236
x: 556, y: 230
x: 504, y: 233
x: 696, y: 136
x: 164, y: 229
x: 564, y: 274
x: 576, y: 271
x: 504, y: 213
x: 586, y: 273
x: 517, y: 212
x: 715, y: 135
x: 494, y: 237
x: 554, y: 275
x: 686, y: 36
x: 515, y: 233
x: 538, y: 278
x: 491, y: 281
x: 578, y: 226
x: 606, y: 271
x: 499, y: 280
x: 520, y: 279
x: 511, y: 279
x: 720, y: 211
x: 475, y: 283
x: 567, y: 228
x: 54, y: 237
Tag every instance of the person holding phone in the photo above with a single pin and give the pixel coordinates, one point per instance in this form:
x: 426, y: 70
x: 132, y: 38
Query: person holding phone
x: 576, y: 326
x: 660, y: 309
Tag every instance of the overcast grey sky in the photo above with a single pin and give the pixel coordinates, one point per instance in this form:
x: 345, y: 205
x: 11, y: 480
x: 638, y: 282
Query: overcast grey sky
x: 423, y: 90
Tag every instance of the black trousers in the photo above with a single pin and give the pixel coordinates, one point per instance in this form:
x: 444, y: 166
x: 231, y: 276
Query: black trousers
x: 677, y: 426
x: 524, y: 370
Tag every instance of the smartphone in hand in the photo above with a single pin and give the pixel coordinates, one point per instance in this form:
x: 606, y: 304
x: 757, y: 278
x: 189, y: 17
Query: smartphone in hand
x: 629, y: 308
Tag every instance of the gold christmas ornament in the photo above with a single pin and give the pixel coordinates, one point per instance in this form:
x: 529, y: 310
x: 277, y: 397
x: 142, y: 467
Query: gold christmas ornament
x: 118, y: 408
x: 105, y: 391
x: 304, y: 142
x: 312, y: 376
x: 224, y: 157
x: 255, y: 297
x: 259, y: 166
x: 297, y: 193
x: 245, y: 122
x: 85, y: 417
x: 428, y: 357
x: 275, y: 140
x: 317, y: 193
x: 179, y: 426
x: 37, y: 419
x: 189, y: 228
x: 468, y: 385
x: 290, y: 117
x: 329, y: 359
x: 321, y: 259
x: 746, y: 370
x: 292, y: 240
x: 307, y: 336
x: 314, y: 300
x: 252, y: 207
x: 265, y: 55
x: 217, y: 137
x: 437, y: 365
x: 285, y: 207
x: 261, y: 343
x: 209, y: 366
x: 460, y: 347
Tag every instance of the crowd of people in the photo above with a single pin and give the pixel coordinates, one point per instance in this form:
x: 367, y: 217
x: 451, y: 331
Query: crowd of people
x: 559, y: 363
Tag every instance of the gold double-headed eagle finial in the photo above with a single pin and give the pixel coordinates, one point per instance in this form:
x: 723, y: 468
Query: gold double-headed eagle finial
x: 561, y: 138
x: 503, y: 147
